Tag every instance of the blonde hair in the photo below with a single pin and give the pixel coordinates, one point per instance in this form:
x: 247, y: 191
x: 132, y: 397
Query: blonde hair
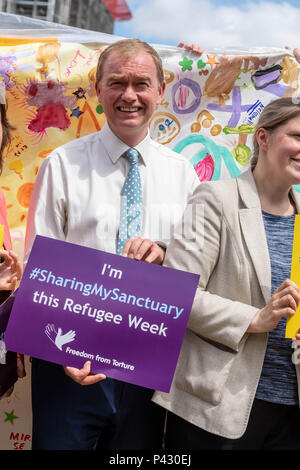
x: 129, y: 48
x: 275, y: 114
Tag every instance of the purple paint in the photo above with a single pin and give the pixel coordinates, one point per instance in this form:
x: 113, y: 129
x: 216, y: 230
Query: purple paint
x: 236, y: 108
x: 260, y: 81
x: 276, y: 89
x: 195, y: 87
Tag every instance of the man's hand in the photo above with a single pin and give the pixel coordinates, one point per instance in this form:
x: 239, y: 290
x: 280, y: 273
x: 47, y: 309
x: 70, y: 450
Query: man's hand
x: 143, y: 249
x: 284, y: 302
x: 192, y: 48
x: 83, y: 376
x: 10, y: 270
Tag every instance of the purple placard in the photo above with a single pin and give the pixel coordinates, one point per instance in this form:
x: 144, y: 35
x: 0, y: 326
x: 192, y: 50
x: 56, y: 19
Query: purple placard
x: 76, y: 304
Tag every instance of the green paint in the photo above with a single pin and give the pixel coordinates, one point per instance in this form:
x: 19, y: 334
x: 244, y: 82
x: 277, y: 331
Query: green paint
x: 241, y: 153
x: 242, y: 129
x: 201, y: 64
x: 10, y: 417
x: 186, y: 64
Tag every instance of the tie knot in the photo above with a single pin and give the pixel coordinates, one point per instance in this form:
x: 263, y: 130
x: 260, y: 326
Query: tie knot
x: 132, y: 155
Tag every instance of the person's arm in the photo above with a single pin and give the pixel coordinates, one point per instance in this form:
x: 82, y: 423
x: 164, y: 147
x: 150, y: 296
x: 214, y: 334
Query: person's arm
x: 47, y: 215
x: 214, y: 317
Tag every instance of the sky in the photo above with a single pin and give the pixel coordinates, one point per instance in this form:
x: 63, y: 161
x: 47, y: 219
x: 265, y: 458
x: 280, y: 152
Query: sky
x: 214, y: 24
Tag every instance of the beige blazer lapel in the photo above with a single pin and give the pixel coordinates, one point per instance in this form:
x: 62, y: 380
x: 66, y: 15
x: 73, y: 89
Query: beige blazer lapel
x: 253, y: 231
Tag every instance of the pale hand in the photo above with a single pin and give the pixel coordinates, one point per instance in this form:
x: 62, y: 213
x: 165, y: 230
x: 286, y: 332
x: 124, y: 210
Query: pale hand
x: 192, y: 48
x: 10, y: 270
x: 143, y: 249
x: 83, y: 376
x: 284, y: 302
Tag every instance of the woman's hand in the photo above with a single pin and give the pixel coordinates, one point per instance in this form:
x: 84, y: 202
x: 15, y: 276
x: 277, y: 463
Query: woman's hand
x: 284, y: 302
x: 10, y: 270
x: 296, y: 53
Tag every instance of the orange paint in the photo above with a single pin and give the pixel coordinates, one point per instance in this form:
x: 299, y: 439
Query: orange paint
x: 87, y: 122
x: 211, y: 60
x: 44, y: 153
x: 24, y: 194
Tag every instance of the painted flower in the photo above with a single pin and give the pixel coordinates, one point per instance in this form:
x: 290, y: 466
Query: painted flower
x: 186, y: 64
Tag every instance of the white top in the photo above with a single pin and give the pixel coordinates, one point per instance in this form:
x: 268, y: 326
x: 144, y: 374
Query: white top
x: 76, y: 196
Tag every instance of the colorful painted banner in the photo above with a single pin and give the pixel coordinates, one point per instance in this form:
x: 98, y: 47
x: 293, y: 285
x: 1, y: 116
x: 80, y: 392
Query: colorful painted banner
x: 208, y: 114
x: 293, y: 323
x: 76, y: 304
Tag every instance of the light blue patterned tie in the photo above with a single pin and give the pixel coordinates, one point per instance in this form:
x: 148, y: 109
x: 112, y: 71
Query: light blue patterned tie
x: 131, y: 201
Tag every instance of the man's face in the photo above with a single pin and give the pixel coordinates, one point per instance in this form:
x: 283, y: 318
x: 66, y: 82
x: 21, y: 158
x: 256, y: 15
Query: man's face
x: 129, y: 92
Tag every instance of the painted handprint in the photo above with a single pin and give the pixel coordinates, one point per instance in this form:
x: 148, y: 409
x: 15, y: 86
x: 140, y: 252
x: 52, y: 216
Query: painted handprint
x: 57, y: 337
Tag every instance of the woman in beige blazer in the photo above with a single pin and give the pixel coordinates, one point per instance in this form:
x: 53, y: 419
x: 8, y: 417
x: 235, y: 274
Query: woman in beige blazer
x: 229, y: 390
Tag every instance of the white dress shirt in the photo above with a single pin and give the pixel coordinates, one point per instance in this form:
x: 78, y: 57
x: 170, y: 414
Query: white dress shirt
x: 76, y: 196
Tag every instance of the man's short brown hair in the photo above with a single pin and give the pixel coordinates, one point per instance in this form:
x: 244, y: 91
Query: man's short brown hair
x: 128, y: 48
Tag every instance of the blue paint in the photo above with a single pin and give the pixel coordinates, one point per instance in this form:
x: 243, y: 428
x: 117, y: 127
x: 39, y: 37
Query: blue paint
x: 218, y: 153
x: 297, y: 188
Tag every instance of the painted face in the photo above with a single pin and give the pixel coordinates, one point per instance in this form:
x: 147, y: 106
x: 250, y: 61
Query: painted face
x: 164, y: 127
x: 283, y: 151
x: 129, y: 92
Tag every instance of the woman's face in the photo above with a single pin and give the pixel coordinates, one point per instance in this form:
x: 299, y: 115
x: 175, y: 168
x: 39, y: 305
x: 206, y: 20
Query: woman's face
x: 283, y: 151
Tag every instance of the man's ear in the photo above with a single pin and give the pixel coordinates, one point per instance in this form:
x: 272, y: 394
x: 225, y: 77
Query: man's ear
x: 161, y: 93
x: 97, y: 88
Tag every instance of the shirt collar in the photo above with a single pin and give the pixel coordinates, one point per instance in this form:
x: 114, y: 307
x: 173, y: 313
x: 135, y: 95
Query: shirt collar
x: 116, y: 147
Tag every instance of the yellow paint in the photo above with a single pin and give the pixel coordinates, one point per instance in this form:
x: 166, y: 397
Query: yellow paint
x: 20, y: 41
x: 16, y: 165
x: 293, y: 323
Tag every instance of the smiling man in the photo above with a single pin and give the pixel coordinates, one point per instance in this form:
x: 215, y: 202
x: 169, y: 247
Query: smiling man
x: 79, y: 196
x: 130, y: 89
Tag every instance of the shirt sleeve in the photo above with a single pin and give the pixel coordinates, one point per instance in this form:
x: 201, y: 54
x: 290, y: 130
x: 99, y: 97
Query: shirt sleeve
x: 214, y: 317
x: 47, y: 215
